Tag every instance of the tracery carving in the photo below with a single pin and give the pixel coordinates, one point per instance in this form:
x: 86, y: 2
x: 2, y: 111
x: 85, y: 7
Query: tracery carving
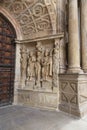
x: 32, y: 15
x: 17, y: 7
x: 38, y: 10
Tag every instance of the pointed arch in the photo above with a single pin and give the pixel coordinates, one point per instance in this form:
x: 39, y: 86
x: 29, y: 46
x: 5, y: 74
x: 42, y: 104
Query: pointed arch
x: 15, y: 25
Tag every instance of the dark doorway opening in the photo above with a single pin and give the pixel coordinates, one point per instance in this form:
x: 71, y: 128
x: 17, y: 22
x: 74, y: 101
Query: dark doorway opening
x: 7, y: 61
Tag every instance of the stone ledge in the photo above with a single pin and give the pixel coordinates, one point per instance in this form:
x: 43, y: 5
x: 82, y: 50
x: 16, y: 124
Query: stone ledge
x: 37, y: 99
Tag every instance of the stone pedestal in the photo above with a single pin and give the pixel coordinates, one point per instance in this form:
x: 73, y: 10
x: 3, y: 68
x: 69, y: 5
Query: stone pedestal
x: 73, y: 94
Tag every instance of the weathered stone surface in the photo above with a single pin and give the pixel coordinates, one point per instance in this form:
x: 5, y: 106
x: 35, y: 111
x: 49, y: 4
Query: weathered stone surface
x: 73, y: 94
x: 73, y: 47
x: 41, y: 27
x: 36, y: 18
x: 83, y: 6
x: 37, y: 99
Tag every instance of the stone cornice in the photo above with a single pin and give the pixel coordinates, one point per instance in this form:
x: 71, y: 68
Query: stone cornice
x: 60, y: 35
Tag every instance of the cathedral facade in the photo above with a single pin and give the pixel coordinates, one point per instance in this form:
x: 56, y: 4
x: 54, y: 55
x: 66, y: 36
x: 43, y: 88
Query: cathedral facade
x: 43, y: 50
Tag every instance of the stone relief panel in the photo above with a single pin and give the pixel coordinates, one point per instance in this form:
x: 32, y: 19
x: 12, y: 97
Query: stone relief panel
x: 83, y: 92
x: 73, y: 94
x: 69, y: 92
x: 34, y: 16
x: 39, y: 66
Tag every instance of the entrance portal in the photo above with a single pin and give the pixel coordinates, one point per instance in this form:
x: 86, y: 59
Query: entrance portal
x: 7, y: 61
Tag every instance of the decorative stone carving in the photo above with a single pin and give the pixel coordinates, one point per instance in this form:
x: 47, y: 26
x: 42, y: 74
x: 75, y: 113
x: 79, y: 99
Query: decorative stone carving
x: 31, y: 66
x: 23, y: 61
x: 71, y: 88
x: 45, y: 65
x: 51, y: 63
x: 33, y: 16
x: 62, y: 55
x: 73, y: 94
x: 38, y: 9
x: 38, y: 65
x: 56, y: 63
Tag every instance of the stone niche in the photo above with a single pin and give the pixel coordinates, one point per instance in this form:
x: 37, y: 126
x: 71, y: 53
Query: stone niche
x: 39, y: 69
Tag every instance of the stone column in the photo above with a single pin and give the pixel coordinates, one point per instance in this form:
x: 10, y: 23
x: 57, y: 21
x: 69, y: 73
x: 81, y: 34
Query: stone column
x: 84, y: 34
x: 17, y: 73
x: 73, y: 46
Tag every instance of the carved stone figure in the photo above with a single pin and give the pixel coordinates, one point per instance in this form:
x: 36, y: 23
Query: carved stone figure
x: 50, y: 64
x: 30, y: 66
x: 45, y: 65
x: 38, y: 64
x: 23, y: 60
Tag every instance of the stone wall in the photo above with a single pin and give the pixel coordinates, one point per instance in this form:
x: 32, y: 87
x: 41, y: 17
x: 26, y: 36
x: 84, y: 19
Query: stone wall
x: 40, y: 27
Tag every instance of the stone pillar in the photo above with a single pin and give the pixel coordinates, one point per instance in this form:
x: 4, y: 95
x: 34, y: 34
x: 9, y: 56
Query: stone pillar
x: 62, y: 56
x: 84, y: 34
x: 17, y: 73
x: 61, y: 4
x: 56, y: 65
x: 73, y: 46
x: 61, y: 15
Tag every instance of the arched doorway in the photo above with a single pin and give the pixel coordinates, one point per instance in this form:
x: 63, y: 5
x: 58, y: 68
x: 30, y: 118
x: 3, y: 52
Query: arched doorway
x: 7, y: 61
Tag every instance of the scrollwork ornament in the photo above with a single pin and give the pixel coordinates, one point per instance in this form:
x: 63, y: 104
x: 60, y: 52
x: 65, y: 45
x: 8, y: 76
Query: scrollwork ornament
x: 29, y: 30
x: 38, y: 10
x: 25, y: 19
x: 17, y: 7
x: 42, y: 25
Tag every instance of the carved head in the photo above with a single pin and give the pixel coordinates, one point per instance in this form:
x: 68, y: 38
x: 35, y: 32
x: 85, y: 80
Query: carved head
x: 30, y: 54
x: 46, y: 53
x: 38, y: 53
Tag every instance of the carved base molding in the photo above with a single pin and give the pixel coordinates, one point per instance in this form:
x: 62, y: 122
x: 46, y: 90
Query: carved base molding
x: 37, y: 99
x: 73, y: 94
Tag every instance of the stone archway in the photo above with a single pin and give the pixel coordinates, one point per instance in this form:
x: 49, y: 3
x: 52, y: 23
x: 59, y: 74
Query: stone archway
x: 12, y: 20
x: 36, y: 18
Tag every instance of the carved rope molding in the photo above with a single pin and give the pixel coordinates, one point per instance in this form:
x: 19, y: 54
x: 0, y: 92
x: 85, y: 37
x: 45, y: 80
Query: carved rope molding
x: 34, y: 16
